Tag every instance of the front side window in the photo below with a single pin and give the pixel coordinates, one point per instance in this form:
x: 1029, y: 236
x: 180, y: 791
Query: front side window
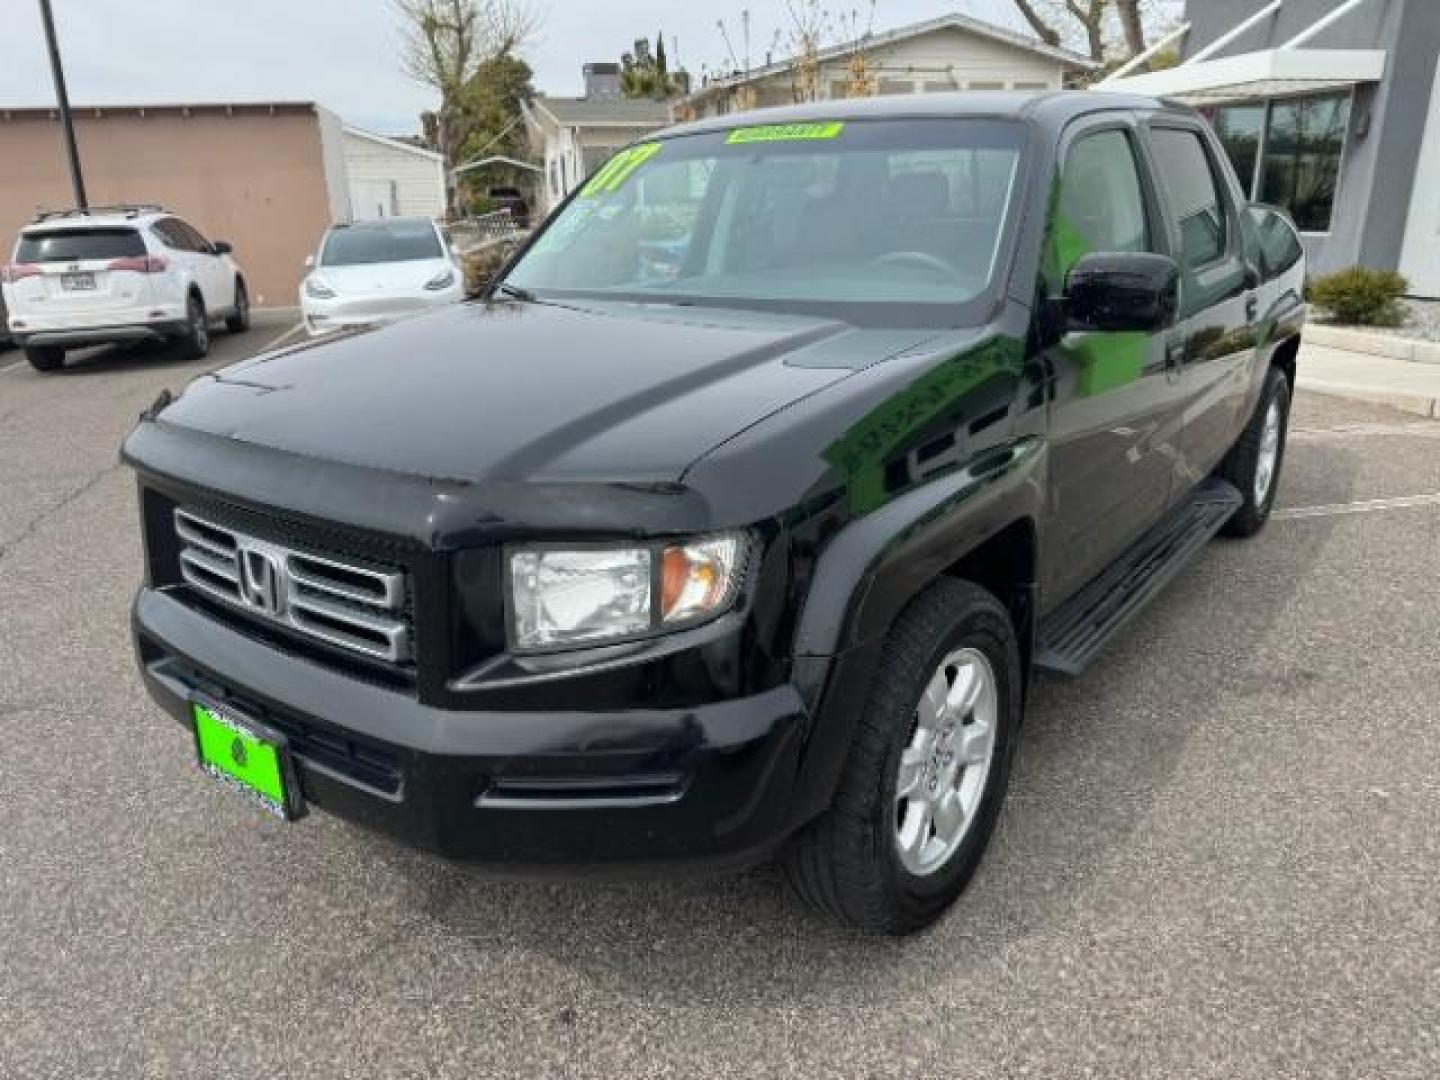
x: 1303, y: 143
x: 857, y: 212
x: 1193, y: 193
x: 1100, y: 198
x: 390, y: 241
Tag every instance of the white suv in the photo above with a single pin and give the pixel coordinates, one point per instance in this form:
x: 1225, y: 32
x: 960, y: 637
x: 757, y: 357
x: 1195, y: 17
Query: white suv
x: 119, y: 273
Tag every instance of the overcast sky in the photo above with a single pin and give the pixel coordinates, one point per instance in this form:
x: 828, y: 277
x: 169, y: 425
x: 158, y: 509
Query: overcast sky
x: 343, y: 53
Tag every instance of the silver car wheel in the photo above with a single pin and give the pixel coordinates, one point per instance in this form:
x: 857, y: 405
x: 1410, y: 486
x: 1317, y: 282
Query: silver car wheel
x: 944, y: 767
x: 1269, y: 455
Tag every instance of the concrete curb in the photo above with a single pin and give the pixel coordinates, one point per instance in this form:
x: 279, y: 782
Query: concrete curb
x: 1362, y: 341
x: 1419, y: 404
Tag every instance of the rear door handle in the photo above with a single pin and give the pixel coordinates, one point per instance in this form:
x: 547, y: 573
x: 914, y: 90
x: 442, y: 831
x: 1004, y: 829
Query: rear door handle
x: 1252, y: 307
x: 1175, y: 355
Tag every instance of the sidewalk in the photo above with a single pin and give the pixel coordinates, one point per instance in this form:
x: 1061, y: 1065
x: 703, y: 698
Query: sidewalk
x: 1401, y: 384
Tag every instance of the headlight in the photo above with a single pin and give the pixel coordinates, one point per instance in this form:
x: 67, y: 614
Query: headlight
x: 318, y: 290
x: 564, y: 598
x: 442, y: 280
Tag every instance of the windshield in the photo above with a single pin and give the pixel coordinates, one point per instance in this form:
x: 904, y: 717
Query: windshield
x: 392, y: 241
x: 840, y: 212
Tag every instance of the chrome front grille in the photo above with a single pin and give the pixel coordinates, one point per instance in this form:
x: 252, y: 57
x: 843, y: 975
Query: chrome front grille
x: 346, y: 604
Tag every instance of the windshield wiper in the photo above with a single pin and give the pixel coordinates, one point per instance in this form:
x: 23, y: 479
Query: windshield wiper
x: 515, y: 292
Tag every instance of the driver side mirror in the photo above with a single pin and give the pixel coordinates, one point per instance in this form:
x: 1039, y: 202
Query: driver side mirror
x: 1122, y: 290
x: 222, y: 247
x: 309, y: 262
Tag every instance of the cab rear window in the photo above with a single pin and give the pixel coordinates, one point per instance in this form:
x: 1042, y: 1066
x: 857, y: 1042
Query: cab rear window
x: 77, y: 245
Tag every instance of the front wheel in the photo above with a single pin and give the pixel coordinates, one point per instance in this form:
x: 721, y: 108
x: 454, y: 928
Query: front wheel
x: 927, y: 772
x: 1253, y: 463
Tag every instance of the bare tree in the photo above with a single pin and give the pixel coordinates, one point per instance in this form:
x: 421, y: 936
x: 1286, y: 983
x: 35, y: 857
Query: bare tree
x: 1132, y: 25
x: 446, y: 42
x: 1091, y: 16
x: 1056, y: 21
x: 1043, y: 30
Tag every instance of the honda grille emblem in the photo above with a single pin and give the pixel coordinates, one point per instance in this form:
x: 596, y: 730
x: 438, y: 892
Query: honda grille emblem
x: 262, y: 581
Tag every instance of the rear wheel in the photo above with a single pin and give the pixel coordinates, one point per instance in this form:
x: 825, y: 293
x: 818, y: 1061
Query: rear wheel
x: 45, y: 357
x: 1253, y: 464
x: 927, y: 772
x: 196, y: 341
x: 239, y: 320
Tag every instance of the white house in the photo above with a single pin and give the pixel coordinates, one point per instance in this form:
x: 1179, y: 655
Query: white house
x: 391, y: 178
x: 575, y: 135
x: 951, y: 52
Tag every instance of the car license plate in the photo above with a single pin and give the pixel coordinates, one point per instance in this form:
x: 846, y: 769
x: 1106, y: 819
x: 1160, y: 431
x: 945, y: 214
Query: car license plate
x: 77, y: 282
x: 247, y: 757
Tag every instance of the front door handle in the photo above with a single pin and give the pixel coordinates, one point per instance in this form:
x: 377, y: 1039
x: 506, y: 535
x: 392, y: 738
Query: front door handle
x: 1174, y: 355
x: 1252, y: 307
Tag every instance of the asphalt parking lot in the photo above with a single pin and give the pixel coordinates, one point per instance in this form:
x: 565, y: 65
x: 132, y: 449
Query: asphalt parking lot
x: 1221, y: 855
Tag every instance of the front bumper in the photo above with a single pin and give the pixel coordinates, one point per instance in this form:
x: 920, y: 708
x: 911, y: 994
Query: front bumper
x: 709, y: 786
x: 347, y: 312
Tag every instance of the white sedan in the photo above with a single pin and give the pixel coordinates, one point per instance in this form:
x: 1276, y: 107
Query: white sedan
x: 370, y: 272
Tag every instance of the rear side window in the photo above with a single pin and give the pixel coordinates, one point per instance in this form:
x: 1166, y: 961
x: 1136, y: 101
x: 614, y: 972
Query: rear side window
x: 1194, y: 196
x: 77, y: 245
x: 1275, y: 240
x: 180, y: 236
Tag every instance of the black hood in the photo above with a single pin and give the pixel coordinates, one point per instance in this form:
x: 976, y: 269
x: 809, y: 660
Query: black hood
x: 512, y: 392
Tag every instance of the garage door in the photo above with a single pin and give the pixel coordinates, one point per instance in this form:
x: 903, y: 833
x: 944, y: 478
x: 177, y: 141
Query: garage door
x: 371, y: 199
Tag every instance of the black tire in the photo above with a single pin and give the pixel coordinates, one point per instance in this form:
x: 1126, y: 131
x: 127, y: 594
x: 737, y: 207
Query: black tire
x: 45, y: 357
x: 845, y: 864
x: 196, y: 341
x: 1242, y: 464
x: 239, y: 320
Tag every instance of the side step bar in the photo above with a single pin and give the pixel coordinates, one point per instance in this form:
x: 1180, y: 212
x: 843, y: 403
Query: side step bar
x: 1073, y: 634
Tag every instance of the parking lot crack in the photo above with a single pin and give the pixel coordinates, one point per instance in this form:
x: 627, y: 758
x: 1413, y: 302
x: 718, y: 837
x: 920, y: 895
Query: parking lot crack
x: 34, y: 524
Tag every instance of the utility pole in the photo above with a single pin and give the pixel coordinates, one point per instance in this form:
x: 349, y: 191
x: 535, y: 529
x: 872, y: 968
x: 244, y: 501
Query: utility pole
x: 67, y: 124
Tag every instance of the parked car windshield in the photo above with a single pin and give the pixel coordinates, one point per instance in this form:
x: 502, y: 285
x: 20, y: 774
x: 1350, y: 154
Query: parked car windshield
x: 390, y: 241
x: 850, y: 212
x: 77, y: 245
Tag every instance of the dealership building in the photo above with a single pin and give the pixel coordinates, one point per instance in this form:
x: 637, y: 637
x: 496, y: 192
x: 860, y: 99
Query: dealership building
x: 268, y: 177
x: 1329, y: 108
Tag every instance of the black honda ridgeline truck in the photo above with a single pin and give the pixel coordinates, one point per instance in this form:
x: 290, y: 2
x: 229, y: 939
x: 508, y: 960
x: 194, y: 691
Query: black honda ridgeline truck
x: 735, y: 518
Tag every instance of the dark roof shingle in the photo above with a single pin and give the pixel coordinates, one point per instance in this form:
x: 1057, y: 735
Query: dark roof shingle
x: 600, y: 111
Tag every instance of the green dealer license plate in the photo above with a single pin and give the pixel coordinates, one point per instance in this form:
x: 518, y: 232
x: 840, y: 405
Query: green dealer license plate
x: 247, y: 757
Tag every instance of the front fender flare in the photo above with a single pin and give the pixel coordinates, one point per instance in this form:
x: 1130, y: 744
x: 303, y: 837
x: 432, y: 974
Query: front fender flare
x: 872, y: 569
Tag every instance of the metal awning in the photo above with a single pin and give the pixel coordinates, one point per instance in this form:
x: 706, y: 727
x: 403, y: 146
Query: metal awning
x: 1268, y: 73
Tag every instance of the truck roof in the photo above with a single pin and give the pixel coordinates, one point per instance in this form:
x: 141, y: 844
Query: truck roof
x: 1056, y: 107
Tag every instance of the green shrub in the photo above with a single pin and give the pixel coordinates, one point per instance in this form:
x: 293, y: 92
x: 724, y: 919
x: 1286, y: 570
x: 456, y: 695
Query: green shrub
x: 1361, y: 296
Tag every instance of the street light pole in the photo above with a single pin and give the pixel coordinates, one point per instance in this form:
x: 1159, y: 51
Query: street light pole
x: 67, y: 124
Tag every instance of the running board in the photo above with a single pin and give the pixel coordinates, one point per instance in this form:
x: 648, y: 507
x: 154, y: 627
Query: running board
x: 1073, y: 634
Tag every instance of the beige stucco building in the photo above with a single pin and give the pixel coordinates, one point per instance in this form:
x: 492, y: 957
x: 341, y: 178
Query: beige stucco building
x: 269, y: 177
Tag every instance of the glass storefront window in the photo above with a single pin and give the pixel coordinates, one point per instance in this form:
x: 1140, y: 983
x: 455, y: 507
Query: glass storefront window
x: 1302, y: 157
x: 1239, y: 128
x: 1300, y: 152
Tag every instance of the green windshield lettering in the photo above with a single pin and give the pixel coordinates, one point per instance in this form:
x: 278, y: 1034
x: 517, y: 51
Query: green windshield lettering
x: 620, y: 168
x: 785, y: 133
